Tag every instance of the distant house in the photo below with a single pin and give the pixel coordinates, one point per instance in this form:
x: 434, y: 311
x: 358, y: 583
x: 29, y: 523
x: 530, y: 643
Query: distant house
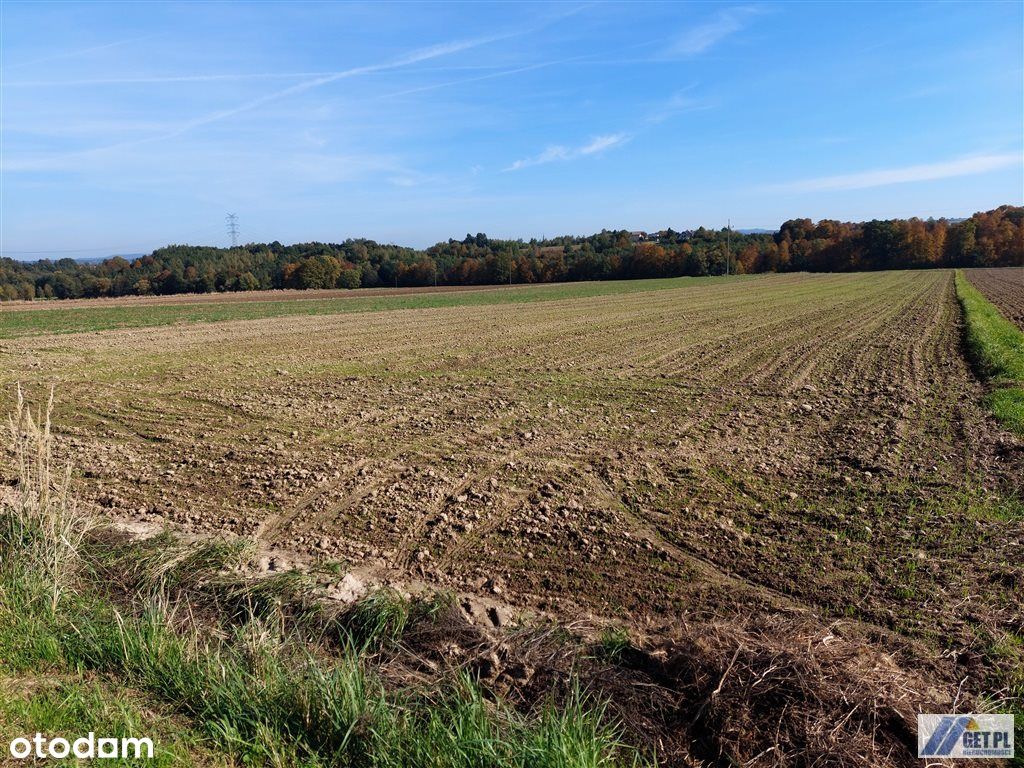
x: 637, y: 237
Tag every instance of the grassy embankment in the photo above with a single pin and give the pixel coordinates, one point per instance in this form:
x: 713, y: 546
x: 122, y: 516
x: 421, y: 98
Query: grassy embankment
x: 996, y: 348
x: 168, y: 640
x: 76, y: 318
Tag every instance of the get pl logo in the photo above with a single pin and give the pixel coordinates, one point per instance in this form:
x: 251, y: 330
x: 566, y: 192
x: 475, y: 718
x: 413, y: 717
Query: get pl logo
x: 967, y: 735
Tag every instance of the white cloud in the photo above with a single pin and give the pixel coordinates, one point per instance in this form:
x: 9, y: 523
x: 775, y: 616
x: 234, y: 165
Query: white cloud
x: 558, y: 152
x: 705, y: 36
x: 601, y: 143
x: 964, y: 166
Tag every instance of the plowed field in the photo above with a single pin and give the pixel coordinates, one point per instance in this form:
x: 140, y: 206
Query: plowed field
x: 809, y: 443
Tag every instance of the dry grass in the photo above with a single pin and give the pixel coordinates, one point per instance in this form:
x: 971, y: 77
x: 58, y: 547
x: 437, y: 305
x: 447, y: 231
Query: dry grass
x: 41, y: 526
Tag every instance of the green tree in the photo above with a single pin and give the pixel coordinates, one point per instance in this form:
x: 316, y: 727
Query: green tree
x: 350, y: 278
x: 320, y: 271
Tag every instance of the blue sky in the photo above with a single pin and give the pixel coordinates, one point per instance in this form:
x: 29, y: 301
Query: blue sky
x: 127, y: 126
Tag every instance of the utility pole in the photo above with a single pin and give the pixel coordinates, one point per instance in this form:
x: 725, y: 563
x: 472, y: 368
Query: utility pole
x: 728, y: 250
x: 233, y: 229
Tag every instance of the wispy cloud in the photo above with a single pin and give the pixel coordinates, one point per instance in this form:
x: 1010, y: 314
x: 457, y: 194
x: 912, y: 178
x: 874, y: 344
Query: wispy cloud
x: 705, y: 36
x: 205, y: 78
x: 559, y: 152
x: 416, y: 56
x: 676, y: 104
x: 467, y: 80
x: 964, y: 166
x: 423, y: 54
x: 78, y: 52
x: 601, y: 143
x: 230, y: 76
x: 158, y: 79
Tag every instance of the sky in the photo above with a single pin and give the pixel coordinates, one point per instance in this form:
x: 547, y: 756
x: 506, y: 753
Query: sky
x: 128, y: 126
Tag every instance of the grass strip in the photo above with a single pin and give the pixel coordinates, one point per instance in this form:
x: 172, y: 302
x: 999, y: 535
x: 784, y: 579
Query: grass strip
x: 995, y: 347
x: 74, y: 318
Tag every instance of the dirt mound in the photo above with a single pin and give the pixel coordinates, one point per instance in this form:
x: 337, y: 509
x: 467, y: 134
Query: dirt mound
x: 772, y: 695
x: 775, y: 692
x: 796, y: 696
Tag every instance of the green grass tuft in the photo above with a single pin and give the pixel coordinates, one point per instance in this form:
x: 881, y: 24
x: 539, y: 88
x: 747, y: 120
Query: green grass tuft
x: 379, y: 619
x: 614, y: 643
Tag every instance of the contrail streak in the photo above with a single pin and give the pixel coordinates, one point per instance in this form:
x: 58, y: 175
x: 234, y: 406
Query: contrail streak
x: 80, y: 52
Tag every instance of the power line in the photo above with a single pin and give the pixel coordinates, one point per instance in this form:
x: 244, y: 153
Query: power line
x: 233, y: 229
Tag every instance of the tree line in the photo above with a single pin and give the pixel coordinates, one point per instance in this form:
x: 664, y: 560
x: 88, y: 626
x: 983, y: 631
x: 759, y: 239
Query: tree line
x: 994, y: 238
